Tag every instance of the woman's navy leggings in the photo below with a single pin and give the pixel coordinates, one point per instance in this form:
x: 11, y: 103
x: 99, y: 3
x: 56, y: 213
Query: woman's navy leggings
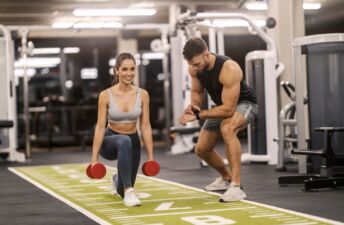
x: 127, y: 149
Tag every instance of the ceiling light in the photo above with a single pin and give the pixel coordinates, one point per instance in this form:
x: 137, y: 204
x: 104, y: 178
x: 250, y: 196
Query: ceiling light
x: 112, y: 24
x: 142, y: 5
x: 38, y: 62
x: 27, y: 15
x: 45, y: 51
x: 112, y: 62
x: 236, y: 23
x: 264, y: 6
x: 71, y: 50
x: 95, y: 25
x: 311, y: 6
x: 91, y: 0
x: 256, y: 6
x: 89, y: 73
x: 55, y: 50
x: 88, y: 25
x: 153, y: 55
x: 111, y: 72
x: 20, y: 72
x: 69, y: 84
x: 62, y: 25
x: 114, y: 12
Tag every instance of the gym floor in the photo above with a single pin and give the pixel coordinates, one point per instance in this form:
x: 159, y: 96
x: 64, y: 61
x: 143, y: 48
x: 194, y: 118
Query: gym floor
x: 23, y: 203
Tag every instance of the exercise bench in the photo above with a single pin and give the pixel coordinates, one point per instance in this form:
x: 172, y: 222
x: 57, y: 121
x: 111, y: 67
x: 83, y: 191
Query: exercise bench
x: 327, y: 178
x: 185, y: 141
x: 5, y: 124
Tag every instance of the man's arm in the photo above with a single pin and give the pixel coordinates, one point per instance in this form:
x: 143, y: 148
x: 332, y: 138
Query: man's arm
x: 230, y: 78
x: 196, y: 89
x: 196, y: 99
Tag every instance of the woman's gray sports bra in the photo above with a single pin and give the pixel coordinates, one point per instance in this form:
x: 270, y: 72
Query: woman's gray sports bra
x: 116, y: 115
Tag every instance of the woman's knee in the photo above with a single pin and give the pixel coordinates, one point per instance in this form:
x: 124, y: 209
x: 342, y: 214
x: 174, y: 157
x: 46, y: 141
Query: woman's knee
x: 123, y: 141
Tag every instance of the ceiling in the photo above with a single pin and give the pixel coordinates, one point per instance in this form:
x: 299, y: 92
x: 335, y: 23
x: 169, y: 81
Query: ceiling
x: 38, y: 12
x: 44, y: 13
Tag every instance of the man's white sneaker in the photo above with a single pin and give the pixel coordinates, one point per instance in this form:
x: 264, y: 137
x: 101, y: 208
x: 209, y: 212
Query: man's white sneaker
x: 233, y: 193
x: 219, y: 184
x: 113, y: 185
x: 130, y: 198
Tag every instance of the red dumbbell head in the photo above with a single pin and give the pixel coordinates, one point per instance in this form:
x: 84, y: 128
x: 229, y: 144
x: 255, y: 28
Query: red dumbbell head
x: 89, y: 172
x: 98, y: 171
x: 150, y: 168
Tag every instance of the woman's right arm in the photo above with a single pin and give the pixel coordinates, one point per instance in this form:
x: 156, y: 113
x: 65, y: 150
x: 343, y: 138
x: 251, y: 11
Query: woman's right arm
x: 100, y: 127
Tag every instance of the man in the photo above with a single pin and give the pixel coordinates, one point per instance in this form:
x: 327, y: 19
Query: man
x: 236, y: 106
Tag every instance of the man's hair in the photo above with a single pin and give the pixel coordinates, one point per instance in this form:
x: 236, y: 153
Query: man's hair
x: 193, y: 47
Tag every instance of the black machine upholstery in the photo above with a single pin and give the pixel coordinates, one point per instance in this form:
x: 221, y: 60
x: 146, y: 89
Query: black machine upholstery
x: 332, y: 167
x: 5, y: 124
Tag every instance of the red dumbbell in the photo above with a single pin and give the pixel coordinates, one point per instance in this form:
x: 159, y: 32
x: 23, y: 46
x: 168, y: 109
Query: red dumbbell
x: 150, y: 168
x: 88, y: 171
x: 97, y: 171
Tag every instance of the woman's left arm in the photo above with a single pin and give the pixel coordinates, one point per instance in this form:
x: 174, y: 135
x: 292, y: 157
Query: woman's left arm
x: 146, y: 129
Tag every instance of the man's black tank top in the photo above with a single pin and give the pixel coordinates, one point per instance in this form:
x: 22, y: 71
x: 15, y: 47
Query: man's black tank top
x: 210, y: 81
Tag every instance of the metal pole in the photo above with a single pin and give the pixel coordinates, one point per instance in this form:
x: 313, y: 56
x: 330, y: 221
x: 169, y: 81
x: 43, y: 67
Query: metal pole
x: 300, y: 113
x: 194, y: 16
x: 167, y: 97
x: 212, y: 40
x: 212, y: 48
x: 220, y: 42
x: 24, y: 51
x: 11, y: 99
x: 63, y: 79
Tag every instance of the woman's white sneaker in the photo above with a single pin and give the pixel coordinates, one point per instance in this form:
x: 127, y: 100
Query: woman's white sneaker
x: 219, y: 184
x: 130, y: 198
x: 113, y: 184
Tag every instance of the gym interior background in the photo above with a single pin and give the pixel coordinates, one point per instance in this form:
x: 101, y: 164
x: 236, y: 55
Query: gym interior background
x: 54, y: 62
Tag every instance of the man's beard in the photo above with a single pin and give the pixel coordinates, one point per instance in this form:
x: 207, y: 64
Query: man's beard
x: 204, y: 68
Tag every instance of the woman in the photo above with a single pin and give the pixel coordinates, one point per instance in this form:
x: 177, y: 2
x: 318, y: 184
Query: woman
x: 120, y: 106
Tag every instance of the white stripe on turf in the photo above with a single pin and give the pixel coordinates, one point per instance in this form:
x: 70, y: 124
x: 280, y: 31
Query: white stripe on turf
x: 182, y: 213
x: 90, y: 193
x: 71, y: 204
x: 152, y: 200
x: 254, y: 203
x: 79, y: 185
x: 301, y: 223
x: 267, y: 215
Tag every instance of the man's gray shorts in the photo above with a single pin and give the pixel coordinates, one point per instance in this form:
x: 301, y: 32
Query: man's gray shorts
x: 248, y: 110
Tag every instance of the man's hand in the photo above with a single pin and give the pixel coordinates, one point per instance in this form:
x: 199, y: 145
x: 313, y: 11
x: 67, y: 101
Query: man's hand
x: 186, y: 117
x: 190, y: 109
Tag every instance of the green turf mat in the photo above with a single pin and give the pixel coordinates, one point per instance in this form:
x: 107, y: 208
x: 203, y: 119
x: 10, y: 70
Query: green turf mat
x: 163, y: 202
